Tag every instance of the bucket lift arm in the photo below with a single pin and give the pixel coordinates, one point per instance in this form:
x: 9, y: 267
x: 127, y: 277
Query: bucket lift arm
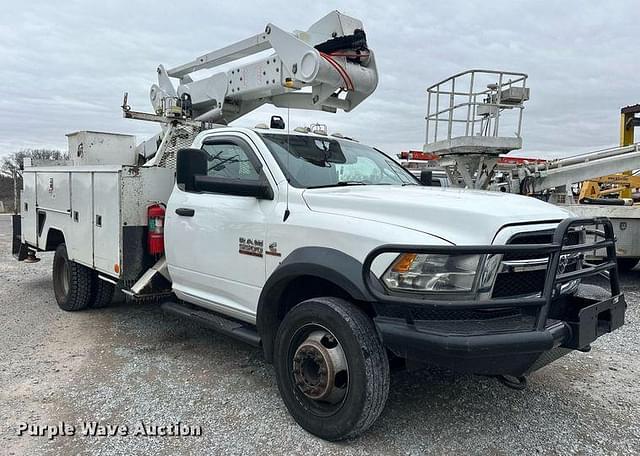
x: 331, y: 60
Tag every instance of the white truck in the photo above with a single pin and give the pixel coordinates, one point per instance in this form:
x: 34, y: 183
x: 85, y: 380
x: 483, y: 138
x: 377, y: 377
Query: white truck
x: 322, y: 251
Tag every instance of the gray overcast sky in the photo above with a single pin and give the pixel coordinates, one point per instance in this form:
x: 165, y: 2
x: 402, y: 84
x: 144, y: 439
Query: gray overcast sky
x: 65, y: 67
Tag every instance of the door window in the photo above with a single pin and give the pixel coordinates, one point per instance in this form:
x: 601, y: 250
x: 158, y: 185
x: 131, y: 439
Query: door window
x: 230, y: 160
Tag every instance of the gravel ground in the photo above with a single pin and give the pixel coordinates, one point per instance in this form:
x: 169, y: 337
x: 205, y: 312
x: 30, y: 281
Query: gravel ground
x: 129, y: 363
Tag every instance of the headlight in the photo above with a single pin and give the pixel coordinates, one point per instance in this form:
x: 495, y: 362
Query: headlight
x: 431, y: 272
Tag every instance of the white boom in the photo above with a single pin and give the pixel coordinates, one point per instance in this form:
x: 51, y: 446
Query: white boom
x: 570, y: 170
x: 328, y: 67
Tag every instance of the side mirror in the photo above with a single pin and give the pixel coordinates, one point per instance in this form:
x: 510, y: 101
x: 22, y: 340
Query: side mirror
x: 240, y: 187
x: 426, y: 177
x: 190, y: 163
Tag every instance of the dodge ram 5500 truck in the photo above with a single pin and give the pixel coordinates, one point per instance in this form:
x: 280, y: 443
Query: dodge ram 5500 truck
x: 322, y: 251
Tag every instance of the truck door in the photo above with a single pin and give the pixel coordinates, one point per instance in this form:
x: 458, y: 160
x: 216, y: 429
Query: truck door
x: 215, y: 242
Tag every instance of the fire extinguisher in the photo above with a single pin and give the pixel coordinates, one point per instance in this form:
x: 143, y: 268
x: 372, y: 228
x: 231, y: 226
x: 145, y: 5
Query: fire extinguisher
x: 155, y: 237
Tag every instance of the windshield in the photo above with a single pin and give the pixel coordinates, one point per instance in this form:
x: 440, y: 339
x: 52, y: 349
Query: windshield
x: 314, y: 162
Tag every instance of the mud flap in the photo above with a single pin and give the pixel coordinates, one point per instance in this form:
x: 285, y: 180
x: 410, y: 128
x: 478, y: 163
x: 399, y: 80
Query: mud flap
x: 18, y: 249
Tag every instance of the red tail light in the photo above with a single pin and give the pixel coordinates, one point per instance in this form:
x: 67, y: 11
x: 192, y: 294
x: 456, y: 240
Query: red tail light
x: 155, y: 236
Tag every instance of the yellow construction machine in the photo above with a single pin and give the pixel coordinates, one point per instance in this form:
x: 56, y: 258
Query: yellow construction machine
x: 621, y: 184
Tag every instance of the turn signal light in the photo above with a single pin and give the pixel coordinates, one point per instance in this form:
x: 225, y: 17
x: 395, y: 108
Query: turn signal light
x: 403, y: 264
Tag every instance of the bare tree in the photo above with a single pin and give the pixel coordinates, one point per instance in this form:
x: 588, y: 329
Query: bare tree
x: 13, y: 165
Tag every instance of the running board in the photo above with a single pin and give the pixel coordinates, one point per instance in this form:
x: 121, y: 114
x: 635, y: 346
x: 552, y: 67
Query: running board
x: 226, y: 326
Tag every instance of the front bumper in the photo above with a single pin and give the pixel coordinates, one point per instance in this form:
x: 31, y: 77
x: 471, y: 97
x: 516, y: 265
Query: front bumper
x: 507, y: 335
x: 495, y: 353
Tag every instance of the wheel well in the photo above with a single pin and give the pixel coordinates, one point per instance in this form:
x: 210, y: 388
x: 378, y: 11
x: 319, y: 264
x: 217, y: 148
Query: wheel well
x: 55, y: 237
x: 294, y: 292
x: 307, y: 287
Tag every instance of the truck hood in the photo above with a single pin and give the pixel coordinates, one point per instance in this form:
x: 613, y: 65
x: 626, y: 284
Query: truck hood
x: 459, y: 216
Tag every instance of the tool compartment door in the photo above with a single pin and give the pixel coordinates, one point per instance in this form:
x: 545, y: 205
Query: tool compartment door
x: 53, y: 191
x: 80, y: 248
x: 28, y: 209
x: 106, y: 222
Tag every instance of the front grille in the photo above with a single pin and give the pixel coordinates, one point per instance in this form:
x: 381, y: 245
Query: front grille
x: 528, y: 239
x: 527, y: 283
x: 542, y: 237
x: 523, y: 283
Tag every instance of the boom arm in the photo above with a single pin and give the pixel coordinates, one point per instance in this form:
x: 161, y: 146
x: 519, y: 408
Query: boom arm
x: 331, y: 58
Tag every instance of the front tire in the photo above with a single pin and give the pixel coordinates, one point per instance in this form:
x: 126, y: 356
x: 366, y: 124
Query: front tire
x: 331, y: 368
x: 71, y: 282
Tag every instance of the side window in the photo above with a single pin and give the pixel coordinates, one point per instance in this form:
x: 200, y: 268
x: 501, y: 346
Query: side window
x: 229, y: 160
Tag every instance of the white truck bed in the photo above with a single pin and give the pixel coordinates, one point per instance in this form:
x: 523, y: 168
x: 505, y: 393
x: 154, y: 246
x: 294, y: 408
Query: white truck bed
x: 626, y: 224
x: 102, y: 209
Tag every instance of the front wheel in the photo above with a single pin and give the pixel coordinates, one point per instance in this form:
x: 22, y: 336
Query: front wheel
x: 72, y: 282
x: 331, y: 368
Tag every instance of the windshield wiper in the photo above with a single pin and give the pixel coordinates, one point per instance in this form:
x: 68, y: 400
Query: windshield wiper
x: 340, y: 184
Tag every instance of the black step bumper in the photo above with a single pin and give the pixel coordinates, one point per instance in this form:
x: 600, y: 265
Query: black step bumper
x: 497, y: 353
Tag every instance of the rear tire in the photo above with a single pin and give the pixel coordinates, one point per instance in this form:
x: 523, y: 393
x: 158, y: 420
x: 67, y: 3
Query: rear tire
x: 101, y: 293
x: 71, y: 282
x: 331, y: 368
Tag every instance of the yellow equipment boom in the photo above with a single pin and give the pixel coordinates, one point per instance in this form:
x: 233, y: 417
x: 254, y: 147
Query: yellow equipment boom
x: 621, y: 183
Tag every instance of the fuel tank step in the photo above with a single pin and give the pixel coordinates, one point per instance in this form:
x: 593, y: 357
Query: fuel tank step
x: 220, y: 323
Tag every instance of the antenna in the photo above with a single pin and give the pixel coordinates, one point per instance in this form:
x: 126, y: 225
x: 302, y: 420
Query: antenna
x: 286, y: 211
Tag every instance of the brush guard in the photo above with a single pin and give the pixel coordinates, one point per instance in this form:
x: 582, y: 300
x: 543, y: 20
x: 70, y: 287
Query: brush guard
x: 559, y: 323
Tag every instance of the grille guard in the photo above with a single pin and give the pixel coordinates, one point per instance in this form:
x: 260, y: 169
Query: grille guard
x: 603, y: 239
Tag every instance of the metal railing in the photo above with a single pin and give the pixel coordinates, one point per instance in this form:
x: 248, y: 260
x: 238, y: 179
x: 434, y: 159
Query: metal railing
x: 474, y: 100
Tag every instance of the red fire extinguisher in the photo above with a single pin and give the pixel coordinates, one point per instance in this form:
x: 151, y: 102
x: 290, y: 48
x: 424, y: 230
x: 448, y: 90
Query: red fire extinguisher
x: 155, y: 237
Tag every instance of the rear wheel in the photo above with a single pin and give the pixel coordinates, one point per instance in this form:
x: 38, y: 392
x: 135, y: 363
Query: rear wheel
x: 101, y: 293
x: 331, y: 368
x: 71, y: 282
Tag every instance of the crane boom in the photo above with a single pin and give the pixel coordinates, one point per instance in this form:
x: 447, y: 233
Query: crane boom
x: 331, y: 58
x: 566, y: 171
x: 328, y: 67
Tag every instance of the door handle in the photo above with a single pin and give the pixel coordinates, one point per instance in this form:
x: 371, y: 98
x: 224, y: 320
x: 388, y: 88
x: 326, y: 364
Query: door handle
x: 185, y: 212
